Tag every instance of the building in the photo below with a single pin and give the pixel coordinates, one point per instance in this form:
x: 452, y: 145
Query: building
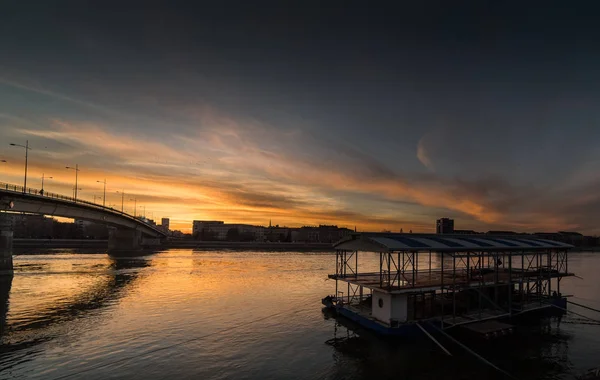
x: 444, y: 226
x: 198, y: 226
x: 164, y: 223
x: 465, y: 232
x: 219, y: 230
x: 574, y: 238
x: 278, y: 234
x: 322, y: 234
x: 31, y: 226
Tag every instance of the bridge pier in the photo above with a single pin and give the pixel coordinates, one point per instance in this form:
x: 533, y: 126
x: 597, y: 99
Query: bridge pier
x: 124, y: 240
x: 6, y: 244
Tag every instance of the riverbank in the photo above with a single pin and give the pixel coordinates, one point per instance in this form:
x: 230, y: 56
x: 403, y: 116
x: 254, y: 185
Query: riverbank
x: 59, y: 243
x: 194, y: 244
x: 255, y: 245
x: 199, y: 244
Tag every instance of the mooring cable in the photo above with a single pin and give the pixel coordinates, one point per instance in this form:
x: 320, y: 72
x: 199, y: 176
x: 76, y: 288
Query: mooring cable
x: 572, y: 312
x: 433, y: 339
x: 473, y: 352
x: 168, y: 347
x: 584, y: 306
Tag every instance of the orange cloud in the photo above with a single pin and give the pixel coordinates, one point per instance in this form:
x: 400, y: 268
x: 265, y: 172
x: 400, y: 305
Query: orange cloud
x: 243, y: 172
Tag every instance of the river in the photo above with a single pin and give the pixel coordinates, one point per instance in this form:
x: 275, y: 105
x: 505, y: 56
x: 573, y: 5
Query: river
x: 190, y: 314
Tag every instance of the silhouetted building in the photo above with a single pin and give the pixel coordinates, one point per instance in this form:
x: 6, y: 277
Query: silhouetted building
x: 32, y: 226
x: 549, y: 236
x: 278, y: 234
x: 200, y: 225
x: 322, y: 234
x: 444, y: 226
x: 219, y: 230
x: 574, y: 238
x: 164, y: 223
x: 465, y: 232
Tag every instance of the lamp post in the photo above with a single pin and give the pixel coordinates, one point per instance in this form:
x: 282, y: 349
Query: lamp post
x: 27, y: 148
x: 134, y: 205
x: 122, y: 198
x: 75, y: 192
x: 103, y: 194
x: 144, y: 211
x: 76, y: 168
x: 42, y: 191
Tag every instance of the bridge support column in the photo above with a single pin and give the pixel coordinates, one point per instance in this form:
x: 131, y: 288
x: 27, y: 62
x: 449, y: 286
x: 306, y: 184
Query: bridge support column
x: 124, y: 240
x: 6, y: 244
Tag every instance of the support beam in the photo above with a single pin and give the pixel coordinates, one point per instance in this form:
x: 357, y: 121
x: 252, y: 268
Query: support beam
x: 123, y: 241
x: 6, y: 244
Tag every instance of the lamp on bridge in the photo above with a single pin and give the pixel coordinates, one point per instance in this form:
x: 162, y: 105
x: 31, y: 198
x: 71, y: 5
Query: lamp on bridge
x: 75, y: 192
x: 134, y: 205
x: 103, y: 194
x: 27, y: 148
x: 122, y: 192
x: 42, y: 191
x: 76, y: 168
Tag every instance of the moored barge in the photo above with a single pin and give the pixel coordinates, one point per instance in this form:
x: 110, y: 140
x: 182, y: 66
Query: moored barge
x: 413, y: 280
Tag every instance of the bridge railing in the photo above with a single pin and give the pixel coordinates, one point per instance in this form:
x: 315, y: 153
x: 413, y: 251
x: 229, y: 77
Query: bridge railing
x: 46, y: 194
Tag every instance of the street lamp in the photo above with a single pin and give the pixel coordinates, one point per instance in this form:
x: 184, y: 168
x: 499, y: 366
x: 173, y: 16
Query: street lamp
x: 4, y: 166
x: 76, y: 168
x: 144, y: 211
x: 75, y: 192
x: 134, y: 205
x: 104, y: 194
x: 122, y: 198
x: 42, y: 191
x: 27, y: 148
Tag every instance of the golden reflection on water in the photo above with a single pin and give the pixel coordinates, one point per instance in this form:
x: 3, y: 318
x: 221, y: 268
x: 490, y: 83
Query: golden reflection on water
x: 71, y: 312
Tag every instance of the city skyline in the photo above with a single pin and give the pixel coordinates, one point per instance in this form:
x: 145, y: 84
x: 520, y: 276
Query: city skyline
x: 334, y: 116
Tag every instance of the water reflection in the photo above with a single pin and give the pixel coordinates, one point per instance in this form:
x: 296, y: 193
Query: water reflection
x: 5, y: 285
x: 228, y: 314
x: 540, y: 352
x: 48, y: 320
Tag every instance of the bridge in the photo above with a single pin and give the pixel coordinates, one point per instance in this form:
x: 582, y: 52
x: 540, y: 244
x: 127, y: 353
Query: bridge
x: 125, y: 236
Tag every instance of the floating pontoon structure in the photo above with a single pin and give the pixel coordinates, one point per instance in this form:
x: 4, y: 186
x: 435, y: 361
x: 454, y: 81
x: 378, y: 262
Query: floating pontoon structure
x: 448, y: 280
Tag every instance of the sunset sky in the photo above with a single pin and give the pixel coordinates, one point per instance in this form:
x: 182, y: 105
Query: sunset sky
x: 374, y: 117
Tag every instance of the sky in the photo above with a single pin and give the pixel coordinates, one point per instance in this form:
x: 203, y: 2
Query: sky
x: 379, y: 116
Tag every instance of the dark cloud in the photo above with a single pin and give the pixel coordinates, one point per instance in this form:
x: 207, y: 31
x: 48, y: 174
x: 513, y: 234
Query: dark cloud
x: 482, y: 111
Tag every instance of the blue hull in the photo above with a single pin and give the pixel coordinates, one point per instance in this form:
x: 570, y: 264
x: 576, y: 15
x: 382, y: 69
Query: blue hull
x: 406, y: 330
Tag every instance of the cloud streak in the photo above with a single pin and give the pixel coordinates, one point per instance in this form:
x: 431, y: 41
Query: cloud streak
x: 244, y: 170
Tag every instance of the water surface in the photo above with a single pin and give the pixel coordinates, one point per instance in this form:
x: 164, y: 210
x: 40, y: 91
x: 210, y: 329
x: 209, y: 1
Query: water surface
x: 247, y: 315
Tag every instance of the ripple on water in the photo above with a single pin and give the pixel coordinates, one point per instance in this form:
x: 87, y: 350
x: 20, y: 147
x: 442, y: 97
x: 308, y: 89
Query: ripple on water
x: 229, y: 314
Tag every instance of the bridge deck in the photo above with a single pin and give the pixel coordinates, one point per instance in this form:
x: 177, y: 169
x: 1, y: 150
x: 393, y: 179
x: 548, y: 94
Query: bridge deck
x: 19, y: 199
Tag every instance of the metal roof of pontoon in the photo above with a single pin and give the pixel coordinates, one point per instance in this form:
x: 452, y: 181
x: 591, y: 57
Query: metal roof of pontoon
x: 377, y: 242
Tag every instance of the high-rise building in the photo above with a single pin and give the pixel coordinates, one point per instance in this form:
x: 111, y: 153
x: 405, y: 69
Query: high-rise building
x: 164, y: 222
x: 444, y: 226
